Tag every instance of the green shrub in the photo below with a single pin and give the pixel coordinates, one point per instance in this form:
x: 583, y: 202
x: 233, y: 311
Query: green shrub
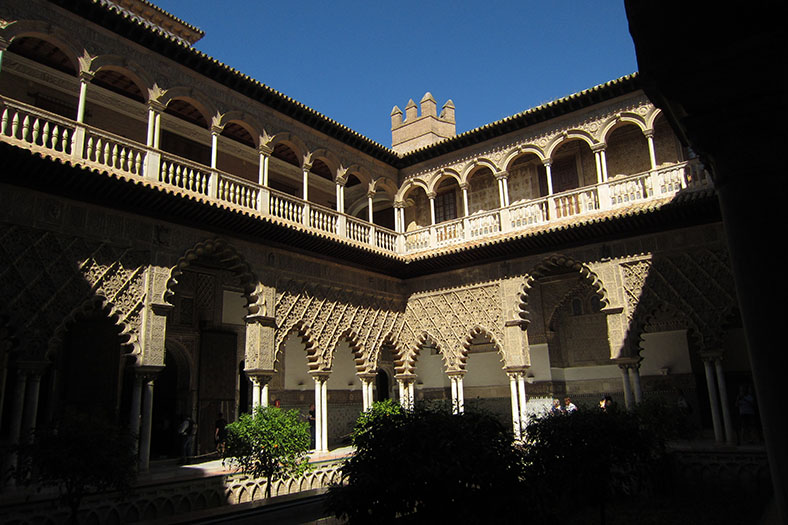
x: 271, y: 443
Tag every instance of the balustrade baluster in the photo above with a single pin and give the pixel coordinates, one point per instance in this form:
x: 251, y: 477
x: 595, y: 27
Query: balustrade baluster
x: 55, y: 136
x: 15, y: 125
x: 4, y: 121
x: 36, y: 130
x: 90, y: 148
x: 25, y: 127
x: 45, y: 136
x: 114, y: 158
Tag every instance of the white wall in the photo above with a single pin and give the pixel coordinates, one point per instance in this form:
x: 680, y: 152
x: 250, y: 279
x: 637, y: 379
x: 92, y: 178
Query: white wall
x: 430, y: 371
x: 485, y: 369
x: 233, y: 307
x: 665, y: 350
x: 343, y: 370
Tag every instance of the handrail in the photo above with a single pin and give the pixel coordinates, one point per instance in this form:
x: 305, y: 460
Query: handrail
x: 28, y: 126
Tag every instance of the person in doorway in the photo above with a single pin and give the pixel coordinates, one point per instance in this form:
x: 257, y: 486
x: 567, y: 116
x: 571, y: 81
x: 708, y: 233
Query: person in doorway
x: 745, y: 404
x: 569, y: 407
x: 220, y: 433
x: 186, y: 434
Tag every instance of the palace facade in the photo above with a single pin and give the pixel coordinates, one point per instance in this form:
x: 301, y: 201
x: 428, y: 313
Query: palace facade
x: 178, y: 238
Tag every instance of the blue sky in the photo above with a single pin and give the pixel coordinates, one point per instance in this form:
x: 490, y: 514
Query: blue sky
x: 354, y: 60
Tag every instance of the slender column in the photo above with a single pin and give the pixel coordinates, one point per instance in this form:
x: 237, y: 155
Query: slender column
x: 460, y: 396
x: 31, y: 400
x: 714, y: 400
x: 627, y: 386
x: 465, y: 207
x: 598, y: 162
x: 305, y: 183
x: 651, y: 153
x: 151, y: 126
x: 455, y: 402
x: 84, y: 80
x: 500, y: 192
x: 264, y: 394
x: 255, y: 393
x: 503, y: 183
x: 262, y: 176
x: 19, y: 405
x: 215, y: 132
x: 432, y: 196
x: 549, y: 170
x: 324, y: 409
x: 522, y: 402
x: 370, y: 210
x: 730, y: 434
x: 147, y: 416
x: 634, y: 372
x: 371, y: 393
x: 157, y: 131
x: 401, y: 387
x: 134, y: 413
x: 318, y: 413
x: 603, y: 161
x: 515, y: 406
x: 364, y: 395
x: 411, y: 394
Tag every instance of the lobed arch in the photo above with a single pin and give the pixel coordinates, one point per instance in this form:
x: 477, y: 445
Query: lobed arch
x: 46, y: 32
x: 474, y: 332
x: 304, y: 331
x: 407, y: 358
x: 97, y: 304
x: 191, y: 95
x: 353, y: 340
x: 442, y: 175
x: 567, y: 136
x: 230, y: 258
x: 179, y: 353
x: 550, y: 266
x: 620, y: 120
x: 473, y: 167
x: 522, y: 151
x: 633, y: 342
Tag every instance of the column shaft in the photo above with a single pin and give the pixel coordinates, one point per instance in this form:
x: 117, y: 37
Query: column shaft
x: 83, y: 94
x: 31, y: 402
x: 318, y: 414
x: 549, y: 170
x: 432, y: 209
x: 255, y: 393
x: 522, y: 403
x: 324, y: 409
x: 714, y: 401
x: 730, y: 434
x: 465, y: 207
x: 460, y: 396
x: 147, y: 418
x: 637, y: 390
x: 603, y: 160
x: 515, y: 407
x: 134, y: 412
x: 651, y: 153
x: 627, y: 386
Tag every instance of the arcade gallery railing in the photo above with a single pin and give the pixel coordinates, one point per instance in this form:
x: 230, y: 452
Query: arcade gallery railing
x: 29, y: 127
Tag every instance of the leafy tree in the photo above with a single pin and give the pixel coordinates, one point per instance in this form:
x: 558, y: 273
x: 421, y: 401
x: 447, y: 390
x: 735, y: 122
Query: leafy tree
x: 428, y: 465
x: 271, y: 443
x: 82, y: 454
x: 584, y: 458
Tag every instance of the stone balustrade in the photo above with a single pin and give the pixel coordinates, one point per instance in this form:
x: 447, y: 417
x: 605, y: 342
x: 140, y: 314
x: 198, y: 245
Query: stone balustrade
x: 32, y: 128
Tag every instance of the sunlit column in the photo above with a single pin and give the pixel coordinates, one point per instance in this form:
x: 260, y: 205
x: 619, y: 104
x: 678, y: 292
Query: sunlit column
x: 262, y: 175
x: 364, y: 395
x: 318, y: 413
x: 549, y: 170
x: 522, y: 402
x: 305, y: 184
x: 215, y: 132
x: 401, y: 388
x: 255, y: 393
x: 465, y: 207
x: 515, y: 406
x: 411, y: 394
x: 324, y: 410
x: 503, y: 179
x: 598, y: 162
x: 714, y: 400
x: 603, y: 161
x: 454, y: 397
x: 460, y: 396
x: 264, y: 391
x: 651, y: 152
x: 84, y: 80
x: 370, y: 209
x: 730, y: 436
x: 432, y: 196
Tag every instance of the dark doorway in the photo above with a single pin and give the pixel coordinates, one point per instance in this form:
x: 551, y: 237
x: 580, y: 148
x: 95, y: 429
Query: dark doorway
x: 166, y: 413
x: 218, y: 371
x: 381, y: 386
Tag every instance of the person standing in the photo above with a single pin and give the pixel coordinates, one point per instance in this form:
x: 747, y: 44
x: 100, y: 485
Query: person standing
x: 220, y: 433
x: 186, y: 433
x: 312, y: 420
x: 569, y: 407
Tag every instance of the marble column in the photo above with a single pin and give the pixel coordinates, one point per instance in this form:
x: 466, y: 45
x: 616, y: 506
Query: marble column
x: 432, y: 196
x: 714, y: 400
x: 85, y: 78
x: 262, y: 172
x: 465, y: 208
x: 627, y: 386
x: 548, y: 169
x: 727, y: 422
x: 215, y: 132
x: 503, y: 178
x: 370, y: 208
x: 134, y: 412
x: 515, y: 407
x: 637, y: 389
x: 146, y: 424
x: 651, y: 152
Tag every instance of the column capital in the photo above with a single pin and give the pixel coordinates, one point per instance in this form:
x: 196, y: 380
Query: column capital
x: 627, y: 362
x: 711, y: 355
x: 148, y: 372
x: 405, y: 378
x: 370, y: 194
x: 399, y: 204
x: 501, y: 175
x: 464, y: 186
x: 265, y: 149
x: 306, y: 166
x: 600, y: 146
x: 216, y: 129
x: 341, y: 180
x: 319, y: 375
x: 457, y: 373
x: 547, y: 162
x: 86, y: 76
x: 156, y: 106
x: 431, y: 195
x: 649, y: 133
x: 34, y: 368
